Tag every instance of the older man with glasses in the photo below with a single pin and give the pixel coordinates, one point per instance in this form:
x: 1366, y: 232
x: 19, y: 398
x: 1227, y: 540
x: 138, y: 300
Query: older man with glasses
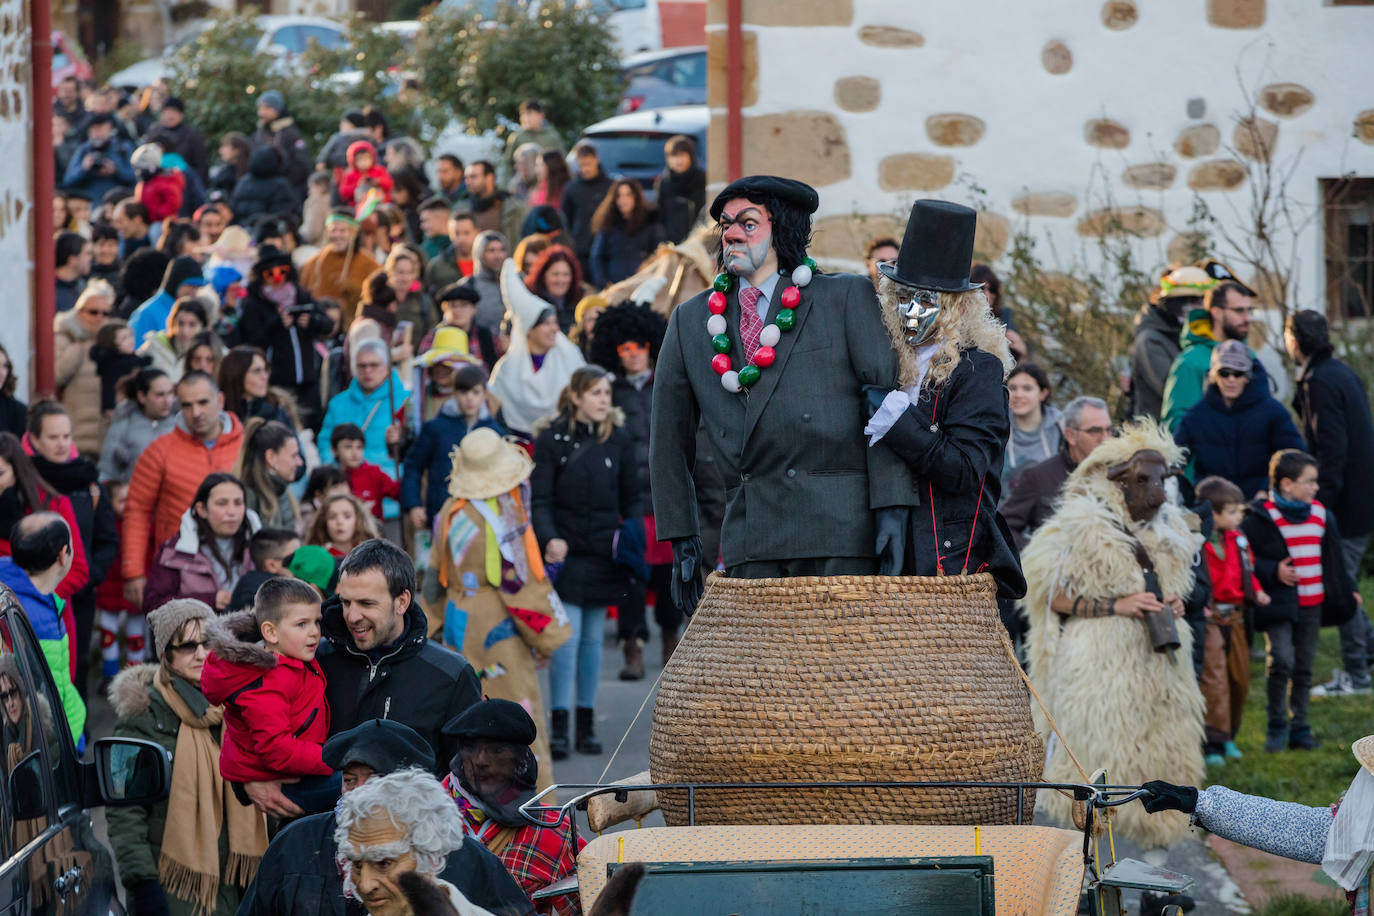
x: 1086, y: 425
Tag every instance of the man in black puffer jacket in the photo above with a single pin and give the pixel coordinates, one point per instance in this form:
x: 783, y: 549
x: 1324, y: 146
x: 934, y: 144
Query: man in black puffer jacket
x: 379, y: 662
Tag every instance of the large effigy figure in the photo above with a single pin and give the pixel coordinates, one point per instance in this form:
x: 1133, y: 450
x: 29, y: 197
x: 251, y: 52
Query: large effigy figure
x: 812, y: 658
x: 1107, y: 577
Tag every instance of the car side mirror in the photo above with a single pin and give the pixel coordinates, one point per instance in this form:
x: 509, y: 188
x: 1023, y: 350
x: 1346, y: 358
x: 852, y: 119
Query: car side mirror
x: 130, y: 771
x: 26, y: 788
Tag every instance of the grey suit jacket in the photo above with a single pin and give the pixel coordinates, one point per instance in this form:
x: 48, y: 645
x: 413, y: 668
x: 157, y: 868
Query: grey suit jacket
x: 800, y: 480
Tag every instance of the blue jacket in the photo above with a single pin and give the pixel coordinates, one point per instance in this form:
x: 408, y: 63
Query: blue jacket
x: 1236, y: 442
x: 353, y: 406
x: 430, y: 455
x: 94, y: 183
x: 151, y: 316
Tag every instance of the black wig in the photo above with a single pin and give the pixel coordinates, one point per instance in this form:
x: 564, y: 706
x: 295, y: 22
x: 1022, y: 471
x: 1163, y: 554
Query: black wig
x: 626, y: 322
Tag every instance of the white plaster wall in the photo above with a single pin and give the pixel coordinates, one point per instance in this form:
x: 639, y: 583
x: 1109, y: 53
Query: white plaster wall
x: 983, y: 57
x: 16, y: 229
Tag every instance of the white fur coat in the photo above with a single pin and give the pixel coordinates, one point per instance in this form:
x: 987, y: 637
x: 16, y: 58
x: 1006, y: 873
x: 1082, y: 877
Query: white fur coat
x: 1117, y: 704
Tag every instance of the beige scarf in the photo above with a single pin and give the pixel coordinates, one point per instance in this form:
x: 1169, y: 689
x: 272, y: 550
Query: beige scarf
x: 199, y: 803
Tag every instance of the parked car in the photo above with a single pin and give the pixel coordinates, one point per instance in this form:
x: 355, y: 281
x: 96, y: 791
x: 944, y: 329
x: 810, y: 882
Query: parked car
x: 68, y: 59
x: 631, y: 145
x: 283, y: 37
x: 660, y: 79
x: 634, y: 23
x: 50, y: 859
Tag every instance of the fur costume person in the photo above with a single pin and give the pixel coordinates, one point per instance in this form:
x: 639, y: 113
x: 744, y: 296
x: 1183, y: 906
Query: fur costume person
x: 1117, y: 703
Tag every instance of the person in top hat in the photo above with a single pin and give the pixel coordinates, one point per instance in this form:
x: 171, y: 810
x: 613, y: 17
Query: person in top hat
x: 948, y: 420
x: 1338, y: 837
x: 493, y: 603
x: 491, y: 776
x: 774, y: 361
x: 298, y: 874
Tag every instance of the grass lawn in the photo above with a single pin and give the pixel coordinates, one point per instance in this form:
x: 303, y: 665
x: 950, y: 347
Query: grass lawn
x: 1316, y: 777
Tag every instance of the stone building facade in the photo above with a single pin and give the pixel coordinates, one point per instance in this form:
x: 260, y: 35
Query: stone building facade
x: 1066, y: 121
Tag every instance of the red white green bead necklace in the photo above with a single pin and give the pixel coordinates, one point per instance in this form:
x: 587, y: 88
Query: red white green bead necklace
x: 786, y: 319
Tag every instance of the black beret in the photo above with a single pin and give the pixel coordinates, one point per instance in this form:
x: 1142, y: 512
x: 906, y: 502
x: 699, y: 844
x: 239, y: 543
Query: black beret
x: 174, y: 103
x: 382, y: 744
x: 495, y: 720
x: 459, y: 290
x: 788, y: 190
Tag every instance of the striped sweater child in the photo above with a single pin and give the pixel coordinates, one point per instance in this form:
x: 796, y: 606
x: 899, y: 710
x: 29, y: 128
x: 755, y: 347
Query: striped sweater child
x: 1304, y: 540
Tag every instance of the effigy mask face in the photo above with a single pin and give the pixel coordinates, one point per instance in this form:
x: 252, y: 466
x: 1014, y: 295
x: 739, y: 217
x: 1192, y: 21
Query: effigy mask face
x: 918, y: 309
x: 1141, y: 480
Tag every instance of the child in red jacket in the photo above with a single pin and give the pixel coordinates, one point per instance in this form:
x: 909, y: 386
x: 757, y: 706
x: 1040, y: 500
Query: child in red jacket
x: 1225, y: 680
x: 276, y: 718
x: 362, y: 163
x: 366, y: 481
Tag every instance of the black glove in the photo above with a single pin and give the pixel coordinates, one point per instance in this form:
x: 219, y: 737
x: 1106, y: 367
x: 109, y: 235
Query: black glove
x: 148, y: 898
x: 891, y: 546
x: 687, y: 583
x: 1166, y: 796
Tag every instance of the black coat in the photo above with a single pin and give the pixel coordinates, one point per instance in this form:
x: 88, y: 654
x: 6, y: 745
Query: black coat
x: 581, y: 491
x: 1031, y: 502
x: 799, y: 477
x: 953, y: 438
x: 581, y: 197
x: 637, y: 405
x: 416, y: 682
x: 290, y: 348
x: 1270, y: 549
x: 95, y: 518
x: 14, y: 415
x: 262, y: 189
x: 298, y: 876
x: 1333, y: 408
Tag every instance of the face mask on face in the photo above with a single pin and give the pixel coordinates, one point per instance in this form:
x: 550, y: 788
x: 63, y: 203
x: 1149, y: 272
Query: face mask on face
x: 919, y: 313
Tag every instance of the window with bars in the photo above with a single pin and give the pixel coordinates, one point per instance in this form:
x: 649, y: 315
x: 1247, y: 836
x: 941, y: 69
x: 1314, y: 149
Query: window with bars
x: 1349, y: 244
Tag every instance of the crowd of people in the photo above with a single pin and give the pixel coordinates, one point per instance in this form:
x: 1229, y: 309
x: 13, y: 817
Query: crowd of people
x: 342, y: 444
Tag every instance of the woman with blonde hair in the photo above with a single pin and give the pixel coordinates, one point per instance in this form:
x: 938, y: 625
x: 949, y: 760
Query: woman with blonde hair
x: 78, y: 384
x: 949, y: 420
x: 587, y: 510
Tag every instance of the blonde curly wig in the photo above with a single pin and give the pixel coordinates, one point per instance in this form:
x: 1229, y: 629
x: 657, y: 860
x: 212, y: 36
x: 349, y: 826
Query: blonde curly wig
x: 965, y: 320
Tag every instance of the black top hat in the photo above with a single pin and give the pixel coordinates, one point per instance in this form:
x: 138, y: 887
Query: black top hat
x: 937, y: 250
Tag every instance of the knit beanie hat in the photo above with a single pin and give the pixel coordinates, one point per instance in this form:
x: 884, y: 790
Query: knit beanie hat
x: 273, y: 100
x: 168, y: 619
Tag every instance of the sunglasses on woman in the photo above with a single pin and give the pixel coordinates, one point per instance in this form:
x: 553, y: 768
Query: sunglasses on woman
x: 1232, y: 373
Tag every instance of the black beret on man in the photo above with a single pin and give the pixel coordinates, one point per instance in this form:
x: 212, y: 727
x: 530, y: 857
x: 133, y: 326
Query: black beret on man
x: 459, y: 290
x: 789, y: 191
x: 382, y: 744
x: 493, y: 720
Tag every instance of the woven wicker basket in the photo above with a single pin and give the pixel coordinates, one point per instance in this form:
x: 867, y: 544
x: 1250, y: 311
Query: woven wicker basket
x: 845, y: 678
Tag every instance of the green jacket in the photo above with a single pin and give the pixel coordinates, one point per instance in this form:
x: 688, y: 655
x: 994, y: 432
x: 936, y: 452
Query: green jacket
x: 1188, y: 374
x: 136, y: 832
x: 57, y: 654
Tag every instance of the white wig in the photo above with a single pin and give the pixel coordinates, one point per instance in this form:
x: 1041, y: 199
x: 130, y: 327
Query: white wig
x: 416, y: 803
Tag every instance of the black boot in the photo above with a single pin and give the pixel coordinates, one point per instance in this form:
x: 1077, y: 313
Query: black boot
x: 559, y: 748
x: 586, y: 731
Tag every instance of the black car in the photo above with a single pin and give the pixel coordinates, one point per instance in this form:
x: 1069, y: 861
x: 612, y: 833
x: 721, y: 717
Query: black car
x: 50, y: 859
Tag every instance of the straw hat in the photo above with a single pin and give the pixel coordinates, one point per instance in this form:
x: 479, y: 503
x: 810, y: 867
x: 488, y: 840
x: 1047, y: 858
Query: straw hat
x: 485, y: 465
x: 450, y: 346
x: 1364, y: 752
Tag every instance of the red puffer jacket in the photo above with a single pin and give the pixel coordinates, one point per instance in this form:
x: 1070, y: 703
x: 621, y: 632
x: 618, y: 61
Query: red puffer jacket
x: 276, y: 718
